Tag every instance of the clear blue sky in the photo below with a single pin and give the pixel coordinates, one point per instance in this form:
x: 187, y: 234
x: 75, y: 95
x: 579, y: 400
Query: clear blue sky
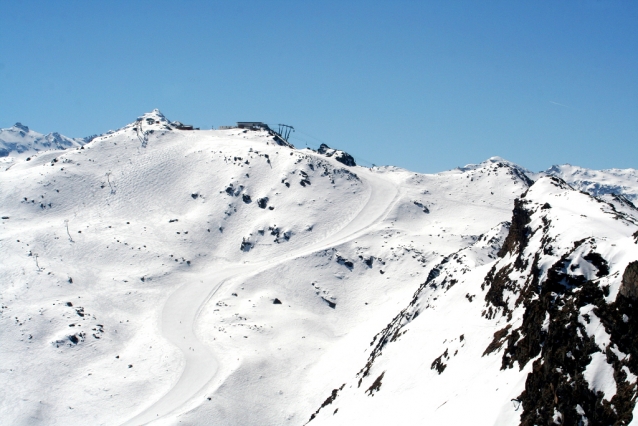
x: 423, y: 85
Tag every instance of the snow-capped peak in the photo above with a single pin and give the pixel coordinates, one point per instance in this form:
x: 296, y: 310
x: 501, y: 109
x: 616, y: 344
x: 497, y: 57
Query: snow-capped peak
x: 153, y: 121
x: 497, y: 159
x: 21, y: 127
x: 156, y: 115
x: 493, y: 160
x: 145, y: 125
x: 19, y: 140
x: 599, y: 182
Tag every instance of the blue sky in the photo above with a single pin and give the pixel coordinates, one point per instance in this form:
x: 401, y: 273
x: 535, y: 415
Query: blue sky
x: 423, y: 85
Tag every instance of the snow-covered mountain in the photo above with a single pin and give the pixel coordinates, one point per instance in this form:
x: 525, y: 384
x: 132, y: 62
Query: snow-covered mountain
x: 532, y: 325
x: 21, y: 141
x: 599, y: 182
x: 164, y: 275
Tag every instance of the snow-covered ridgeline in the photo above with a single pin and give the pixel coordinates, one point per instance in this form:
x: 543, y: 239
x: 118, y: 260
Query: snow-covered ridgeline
x: 599, y: 182
x: 21, y: 141
x: 544, y: 334
x: 218, y: 276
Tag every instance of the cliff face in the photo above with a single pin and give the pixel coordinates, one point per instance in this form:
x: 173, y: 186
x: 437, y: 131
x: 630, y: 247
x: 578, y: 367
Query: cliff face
x: 629, y: 286
x: 566, y: 284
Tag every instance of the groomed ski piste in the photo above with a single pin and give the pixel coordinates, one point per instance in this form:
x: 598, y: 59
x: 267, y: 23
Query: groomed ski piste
x: 183, y: 307
x: 163, y: 276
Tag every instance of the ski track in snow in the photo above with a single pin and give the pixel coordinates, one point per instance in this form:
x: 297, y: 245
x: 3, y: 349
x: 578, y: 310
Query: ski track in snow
x: 432, y: 359
x: 183, y: 307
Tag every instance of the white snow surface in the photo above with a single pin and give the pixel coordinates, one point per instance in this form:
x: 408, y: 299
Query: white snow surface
x: 163, y: 276
x: 600, y: 375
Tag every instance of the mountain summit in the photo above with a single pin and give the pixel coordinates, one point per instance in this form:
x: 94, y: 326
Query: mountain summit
x: 160, y: 274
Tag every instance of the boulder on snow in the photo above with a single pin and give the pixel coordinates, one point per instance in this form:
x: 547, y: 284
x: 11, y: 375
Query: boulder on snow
x: 262, y: 202
x: 246, y: 245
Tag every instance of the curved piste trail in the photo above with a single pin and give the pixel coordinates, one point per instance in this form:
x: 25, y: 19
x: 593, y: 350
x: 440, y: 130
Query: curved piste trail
x: 184, y: 306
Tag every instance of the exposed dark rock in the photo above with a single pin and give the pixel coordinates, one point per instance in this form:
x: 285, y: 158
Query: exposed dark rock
x: 75, y: 338
x: 232, y: 191
x: 498, y: 283
x: 438, y: 364
x: 376, y: 385
x: 434, y: 272
x: 262, y: 202
x: 279, y: 235
x: 327, y: 402
x: 304, y: 179
x: 274, y: 230
x: 557, y: 384
x: 552, y: 334
x: 599, y: 262
x: 421, y: 206
x: 345, y: 158
x: 343, y: 261
x: 246, y: 245
x: 276, y: 301
x: 518, y: 236
x: 499, y: 338
x: 629, y: 285
x: 340, y: 156
x: 330, y: 303
x: 323, y: 149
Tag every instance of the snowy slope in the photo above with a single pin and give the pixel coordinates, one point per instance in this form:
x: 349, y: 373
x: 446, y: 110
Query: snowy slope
x: 538, y: 334
x: 165, y: 275
x: 21, y: 141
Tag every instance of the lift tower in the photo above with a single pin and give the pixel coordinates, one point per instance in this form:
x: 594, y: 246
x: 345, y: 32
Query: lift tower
x: 284, y: 131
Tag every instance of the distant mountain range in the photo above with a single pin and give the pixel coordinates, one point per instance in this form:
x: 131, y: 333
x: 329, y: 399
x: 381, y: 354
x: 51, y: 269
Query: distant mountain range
x: 19, y: 140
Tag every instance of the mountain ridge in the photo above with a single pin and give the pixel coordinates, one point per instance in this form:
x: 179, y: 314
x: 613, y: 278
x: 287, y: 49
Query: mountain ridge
x: 162, y: 274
